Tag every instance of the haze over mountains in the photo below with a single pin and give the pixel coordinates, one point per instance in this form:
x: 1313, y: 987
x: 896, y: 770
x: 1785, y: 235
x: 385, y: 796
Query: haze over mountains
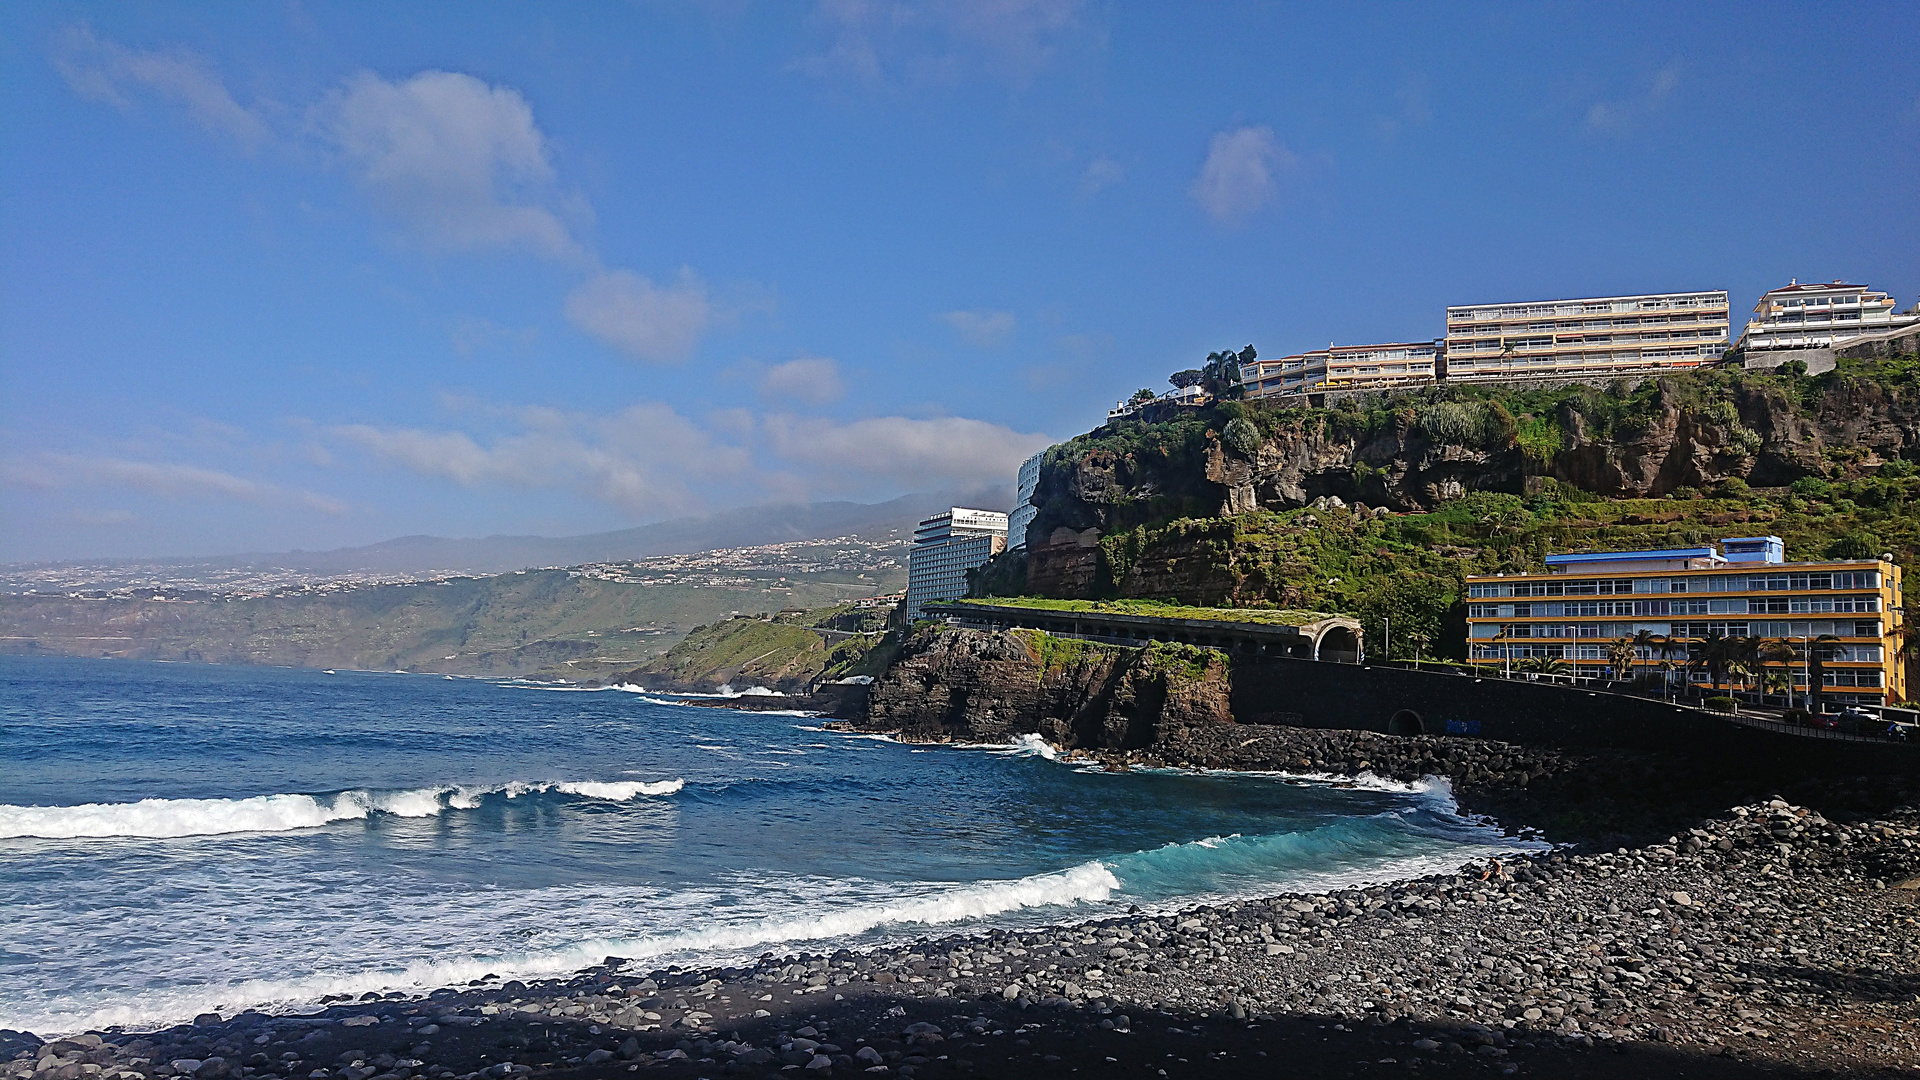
x: 747, y: 526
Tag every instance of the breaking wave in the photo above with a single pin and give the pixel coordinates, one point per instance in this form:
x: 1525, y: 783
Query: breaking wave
x: 171, y: 818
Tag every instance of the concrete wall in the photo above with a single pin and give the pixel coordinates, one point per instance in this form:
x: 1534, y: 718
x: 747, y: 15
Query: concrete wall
x: 1397, y: 701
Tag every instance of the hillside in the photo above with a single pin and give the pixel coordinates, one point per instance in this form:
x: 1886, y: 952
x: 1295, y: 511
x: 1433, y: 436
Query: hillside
x: 549, y: 623
x: 1214, y: 506
x: 787, y: 651
x: 754, y: 525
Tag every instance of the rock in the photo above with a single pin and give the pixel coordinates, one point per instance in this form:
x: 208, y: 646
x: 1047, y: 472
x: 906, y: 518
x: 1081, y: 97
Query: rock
x: 361, y: 1021
x: 599, y: 1057
x: 1681, y: 899
x: 820, y: 1061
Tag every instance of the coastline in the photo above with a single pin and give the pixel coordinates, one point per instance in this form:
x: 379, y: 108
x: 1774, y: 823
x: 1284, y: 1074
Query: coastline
x: 1767, y: 936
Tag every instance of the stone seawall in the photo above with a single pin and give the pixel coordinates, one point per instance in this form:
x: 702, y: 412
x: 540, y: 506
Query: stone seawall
x: 984, y: 686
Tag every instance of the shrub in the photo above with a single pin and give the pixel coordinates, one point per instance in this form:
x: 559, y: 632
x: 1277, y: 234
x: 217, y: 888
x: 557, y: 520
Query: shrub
x: 1721, y: 704
x: 1461, y: 423
x: 1732, y: 488
x: 1855, y: 545
x: 1811, y: 487
x: 1897, y: 469
x: 1241, y: 436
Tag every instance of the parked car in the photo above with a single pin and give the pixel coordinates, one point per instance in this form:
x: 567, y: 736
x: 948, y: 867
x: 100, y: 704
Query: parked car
x: 1858, y: 715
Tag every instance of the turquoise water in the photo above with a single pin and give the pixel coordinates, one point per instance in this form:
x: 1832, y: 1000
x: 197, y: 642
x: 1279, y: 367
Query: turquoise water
x: 179, y: 838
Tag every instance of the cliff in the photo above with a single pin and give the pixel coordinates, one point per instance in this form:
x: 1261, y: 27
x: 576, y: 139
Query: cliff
x: 1416, y: 452
x: 975, y: 686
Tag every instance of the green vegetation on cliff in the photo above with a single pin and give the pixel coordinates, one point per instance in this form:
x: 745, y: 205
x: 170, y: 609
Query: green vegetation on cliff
x: 1209, y: 507
x: 1155, y: 609
x: 787, y: 652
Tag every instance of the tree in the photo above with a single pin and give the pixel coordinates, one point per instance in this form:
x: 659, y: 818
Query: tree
x: 1142, y: 396
x: 1221, y: 376
x: 1189, y: 377
x: 1543, y: 665
x: 1714, y: 653
x: 1817, y: 655
x: 1621, y: 654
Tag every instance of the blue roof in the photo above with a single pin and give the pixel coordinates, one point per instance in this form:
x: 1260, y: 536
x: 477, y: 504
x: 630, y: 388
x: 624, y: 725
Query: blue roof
x: 1624, y: 556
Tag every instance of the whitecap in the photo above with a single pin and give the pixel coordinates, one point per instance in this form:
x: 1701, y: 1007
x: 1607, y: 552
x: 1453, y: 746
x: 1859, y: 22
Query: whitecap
x: 173, y: 818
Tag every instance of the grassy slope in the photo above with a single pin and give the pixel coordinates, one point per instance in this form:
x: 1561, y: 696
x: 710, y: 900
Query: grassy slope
x: 784, y: 653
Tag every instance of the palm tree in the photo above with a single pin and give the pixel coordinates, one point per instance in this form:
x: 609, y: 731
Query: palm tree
x: 1714, y: 652
x: 1817, y: 654
x: 1666, y: 648
x: 1420, y: 643
x: 1778, y: 651
x: 1542, y: 665
x: 1749, y: 655
x: 1621, y: 654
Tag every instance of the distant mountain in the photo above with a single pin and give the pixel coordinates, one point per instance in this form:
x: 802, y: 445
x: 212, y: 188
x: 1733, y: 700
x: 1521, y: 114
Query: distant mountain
x: 744, y: 527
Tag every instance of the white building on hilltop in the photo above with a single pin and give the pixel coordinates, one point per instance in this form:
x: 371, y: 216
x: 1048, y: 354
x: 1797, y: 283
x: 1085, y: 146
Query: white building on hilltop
x: 1342, y: 367
x: 1590, y: 336
x: 1822, y: 315
x: 945, y: 547
x: 1023, y: 508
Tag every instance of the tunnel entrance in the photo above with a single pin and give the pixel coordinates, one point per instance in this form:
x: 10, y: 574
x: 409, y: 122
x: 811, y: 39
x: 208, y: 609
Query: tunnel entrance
x: 1339, y: 645
x: 1405, y: 722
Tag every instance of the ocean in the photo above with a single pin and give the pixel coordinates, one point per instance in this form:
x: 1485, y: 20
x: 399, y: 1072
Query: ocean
x: 176, y: 839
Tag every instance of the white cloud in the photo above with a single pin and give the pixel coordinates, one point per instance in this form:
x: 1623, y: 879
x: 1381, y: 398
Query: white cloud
x: 52, y: 471
x: 808, y: 380
x: 1238, y: 176
x: 460, y: 164
x: 647, y: 458
x: 913, y: 453
x: 1101, y: 173
x: 1622, y: 116
x: 105, y: 71
x: 877, y: 43
x: 649, y: 322
x: 983, y: 327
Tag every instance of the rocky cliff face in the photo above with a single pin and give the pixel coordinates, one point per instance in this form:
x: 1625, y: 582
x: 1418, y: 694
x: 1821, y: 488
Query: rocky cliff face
x: 1673, y: 435
x: 977, y: 686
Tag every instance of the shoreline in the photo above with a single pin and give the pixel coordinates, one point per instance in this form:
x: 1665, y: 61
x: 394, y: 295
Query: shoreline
x: 1767, y: 936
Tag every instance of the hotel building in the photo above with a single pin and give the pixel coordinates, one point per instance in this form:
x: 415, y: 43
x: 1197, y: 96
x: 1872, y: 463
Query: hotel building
x: 1593, y: 336
x: 1026, y: 483
x: 1819, y: 316
x: 945, y: 547
x: 1343, y: 367
x: 1586, y: 601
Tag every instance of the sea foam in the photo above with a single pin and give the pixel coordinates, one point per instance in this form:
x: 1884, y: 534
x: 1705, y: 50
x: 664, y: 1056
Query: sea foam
x: 172, y: 818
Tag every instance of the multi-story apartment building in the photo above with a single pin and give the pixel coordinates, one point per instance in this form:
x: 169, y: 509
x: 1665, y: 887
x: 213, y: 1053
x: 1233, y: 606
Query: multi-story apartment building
x: 1849, y: 613
x: 1026, y: 483
x: 1592, y: 336
x: 1343, y: 367
x: 945, y: 547
x: 1819, y: 316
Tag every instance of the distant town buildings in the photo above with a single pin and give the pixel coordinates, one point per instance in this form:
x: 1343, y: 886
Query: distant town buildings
x: 945, y: 547
x: 1736, y: 618
x: 1819, y: 316
x: 1590, y: 336
x: 1025, y: 485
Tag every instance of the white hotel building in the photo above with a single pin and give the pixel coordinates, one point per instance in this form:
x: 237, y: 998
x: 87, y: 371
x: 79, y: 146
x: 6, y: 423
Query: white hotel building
x: 1589, y: 336
x: 945, y: 547
x: 1343, y: 367
x: 1819, y: 316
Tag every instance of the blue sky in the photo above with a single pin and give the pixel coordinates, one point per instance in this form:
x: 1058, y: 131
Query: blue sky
x: 279, y: 275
